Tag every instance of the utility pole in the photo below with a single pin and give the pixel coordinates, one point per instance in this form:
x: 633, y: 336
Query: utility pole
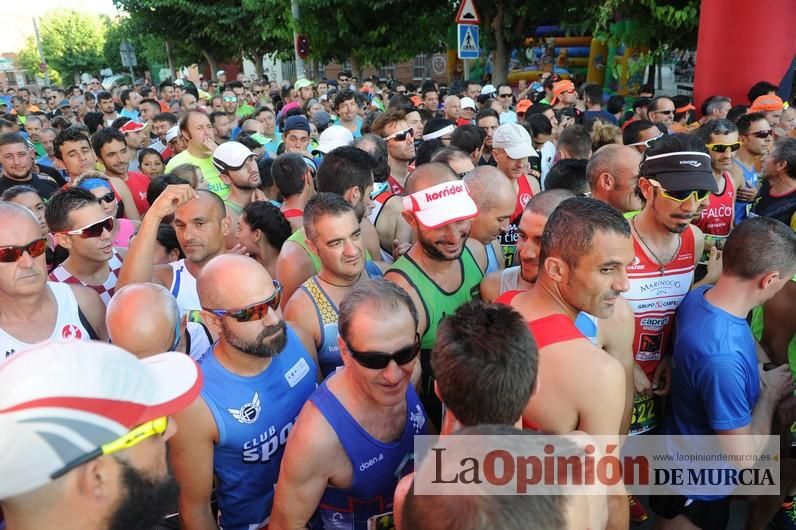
x: 41, y: 53
x: 299, y: 61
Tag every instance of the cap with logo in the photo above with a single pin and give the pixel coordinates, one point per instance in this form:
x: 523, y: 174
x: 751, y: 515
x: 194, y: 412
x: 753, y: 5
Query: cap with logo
x: 441, y: 204
x: 681, y: 170
x: 515, y: 140
x: 467, y: 103
x: 62, y: 400
x: 333, y: 137
x: 231, y: 155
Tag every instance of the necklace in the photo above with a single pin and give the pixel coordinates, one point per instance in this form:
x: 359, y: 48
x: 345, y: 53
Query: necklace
x: 337, y: 284
x: 662, y: 264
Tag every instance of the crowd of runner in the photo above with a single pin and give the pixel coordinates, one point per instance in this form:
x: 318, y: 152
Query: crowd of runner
x: 344, y: 265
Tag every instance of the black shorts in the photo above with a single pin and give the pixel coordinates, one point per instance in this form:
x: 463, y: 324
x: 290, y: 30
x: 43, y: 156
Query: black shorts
x: 709, y: 515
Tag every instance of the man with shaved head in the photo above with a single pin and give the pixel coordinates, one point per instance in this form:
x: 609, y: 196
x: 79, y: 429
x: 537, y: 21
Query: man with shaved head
x: 256, y: 379
x: 31, y: 308
x: 613, y: 176
x: 493, y: 193
x: 144, y: 319
x: 201, y: 224
x: 439, y: 271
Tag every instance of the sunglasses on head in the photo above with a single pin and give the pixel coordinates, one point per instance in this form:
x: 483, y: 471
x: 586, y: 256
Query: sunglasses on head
x: 256, y: 311
x: 108, y: 198
x: 401, y: 135
x: 93, y: 230
x: 761, y: 134
x: 681, y: 195
x: 720, y: 148
x: 379, y: 360
x: 647, y: 143
x: 11, y: 254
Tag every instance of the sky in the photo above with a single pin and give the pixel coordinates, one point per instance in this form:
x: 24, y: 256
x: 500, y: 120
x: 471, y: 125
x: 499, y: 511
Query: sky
x: 16, y: 17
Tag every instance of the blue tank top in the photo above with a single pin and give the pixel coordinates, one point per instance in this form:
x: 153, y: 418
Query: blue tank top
x: 254, y: 416
x: 377, y: 466
x: 492, y: 264
x: 326, y: 311
x: 751, y: 177
x: 587, y: 324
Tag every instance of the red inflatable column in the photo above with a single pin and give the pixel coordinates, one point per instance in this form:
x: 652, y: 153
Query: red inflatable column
x: 740, y: 43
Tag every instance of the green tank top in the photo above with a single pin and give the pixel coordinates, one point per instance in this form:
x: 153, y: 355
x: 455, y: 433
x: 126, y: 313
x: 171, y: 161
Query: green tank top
x: 438, y: 303
x: 300, y: 238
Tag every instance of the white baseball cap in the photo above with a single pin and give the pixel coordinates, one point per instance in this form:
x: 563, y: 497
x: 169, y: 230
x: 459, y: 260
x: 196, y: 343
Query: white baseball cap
x: 488, y: 90
x: 515, y: 140
x: 172, y: 133
x: 441, y: 204
x: 231, y: 155
x: 62, y: 400
x: 467, y: 103
x: 333, y: 137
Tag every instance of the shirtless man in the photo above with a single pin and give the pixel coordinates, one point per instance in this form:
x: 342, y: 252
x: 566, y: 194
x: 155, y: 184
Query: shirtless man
x: 334, y: 234
x: 353, y: 440
x: 585, y: 248
x: 31, y: 308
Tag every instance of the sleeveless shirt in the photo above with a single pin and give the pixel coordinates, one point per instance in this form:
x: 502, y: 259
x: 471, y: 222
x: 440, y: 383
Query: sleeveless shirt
x: 509, y: 238
x: 106, y: 290
x: 718, y: 215
x: 183, y: 287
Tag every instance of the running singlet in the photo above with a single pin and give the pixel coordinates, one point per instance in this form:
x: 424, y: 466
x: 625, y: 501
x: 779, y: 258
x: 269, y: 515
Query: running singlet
x: 379, y: 200
x: 492, y: 264
x: 70, y: 323
x: 327, y: 313
x: 751, y: 177
x: 586, y: 323
x: 377, y: 466
x: 183, y: 287
x: 779, y: 207
x: 546, y: 331
x: 290, y: 213
x: 395, y: 187
x: 254, y: 416
x: 60, y: 274
x: 717, y: 217
x: 509, y: 238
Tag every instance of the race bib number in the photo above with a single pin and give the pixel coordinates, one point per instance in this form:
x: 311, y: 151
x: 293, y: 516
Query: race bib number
x: 646, y: 414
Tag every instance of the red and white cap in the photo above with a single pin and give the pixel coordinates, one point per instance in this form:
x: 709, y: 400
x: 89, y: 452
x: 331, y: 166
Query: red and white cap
x: 132, y: 126
x: 442, y: 204
x: 61, y: 400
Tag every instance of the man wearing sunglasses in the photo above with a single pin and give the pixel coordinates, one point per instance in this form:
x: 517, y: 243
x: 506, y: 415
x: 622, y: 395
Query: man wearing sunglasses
x: 33, y: 309
x: 676, y: 181
x: 335, y: 236
x: 88, y: 433
x: 661, y: 110
x: 393, y: 128
x: 641, y: 134
x: 439, y: 271
x: 201, y: 224
x: 80, y: 225
x: 721, y: 140
x: 256, y: 379
x: 354, y: 439
x: 17, y: 166
x: 756, y: 138
x: 585, y: 248
x: 564, y: 94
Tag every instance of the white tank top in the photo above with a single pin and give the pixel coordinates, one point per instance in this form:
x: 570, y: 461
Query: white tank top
x: 183, y: 287
x: 509, y: 279
x: 67, y: 323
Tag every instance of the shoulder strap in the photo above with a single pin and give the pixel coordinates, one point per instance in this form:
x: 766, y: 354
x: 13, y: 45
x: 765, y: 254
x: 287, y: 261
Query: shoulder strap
x: 83, y: 320
x: 326, y: 310
x: 553, y: 329
x: 506, y: 297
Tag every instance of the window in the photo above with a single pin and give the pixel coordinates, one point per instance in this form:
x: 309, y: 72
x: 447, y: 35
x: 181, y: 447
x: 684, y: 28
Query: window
x: 420, y: 67
x: 387, y: 72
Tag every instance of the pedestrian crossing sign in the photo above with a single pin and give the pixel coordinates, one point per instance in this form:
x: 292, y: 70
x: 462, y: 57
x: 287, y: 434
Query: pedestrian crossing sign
x: 468, y: 41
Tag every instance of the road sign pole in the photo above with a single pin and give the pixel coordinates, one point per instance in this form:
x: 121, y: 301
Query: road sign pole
x: 466, y: 69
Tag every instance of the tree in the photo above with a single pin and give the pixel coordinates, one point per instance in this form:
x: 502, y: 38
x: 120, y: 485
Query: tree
x: 29, y: 59
x: 72, y: 41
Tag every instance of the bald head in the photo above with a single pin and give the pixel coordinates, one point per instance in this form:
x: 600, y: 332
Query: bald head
x: 220, y: 286
x: 613, y: 176
x: 142, y: 319
x: 544, y: 203
x: 11, y: 212
x: 428, y: 175
x: 487, y: 185
x: 610, y: 159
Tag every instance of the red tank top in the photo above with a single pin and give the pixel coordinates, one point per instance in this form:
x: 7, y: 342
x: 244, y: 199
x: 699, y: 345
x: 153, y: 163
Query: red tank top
x: 716, y: 218
x: 395, y: 186
x: 292, y: 212
x: 508, y: 239
x: 546, y: 331
x: 655, y: 296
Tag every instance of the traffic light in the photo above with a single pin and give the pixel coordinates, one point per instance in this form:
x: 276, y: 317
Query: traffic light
x: 302, y: 46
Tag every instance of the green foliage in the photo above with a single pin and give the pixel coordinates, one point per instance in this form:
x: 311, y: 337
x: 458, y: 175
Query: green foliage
x: 28, y: 58
x: 660, y: 23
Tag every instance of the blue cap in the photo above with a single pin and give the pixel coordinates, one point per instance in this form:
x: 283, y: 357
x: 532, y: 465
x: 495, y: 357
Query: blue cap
x: 294, y: 123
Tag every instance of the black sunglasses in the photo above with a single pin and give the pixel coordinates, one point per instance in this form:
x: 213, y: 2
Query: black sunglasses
x: 380, y: 360
x: 256, y: 311
x: 107, y: 198
x: 761, y: 134
x: 11, y: 254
